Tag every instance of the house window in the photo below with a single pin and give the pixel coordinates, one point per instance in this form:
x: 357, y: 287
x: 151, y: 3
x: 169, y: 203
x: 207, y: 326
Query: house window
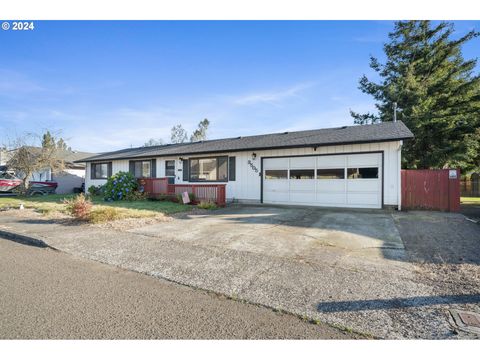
x: 324, y: 174
x: 99, y: 171
x: 170, y: 168
x: 209, y: 169
x: 363, y: 173
x: 302, y: 174
x: 276, y: 174
x: 142, y: 169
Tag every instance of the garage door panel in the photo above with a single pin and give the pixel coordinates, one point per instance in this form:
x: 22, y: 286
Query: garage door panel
x: 331, y: 185
x: 331, y: 161
x: 331, y: 198
x: 363, y: 160
x: 302, y: 163
x: 302, y: 185
x: 361, y: 199
x: 362, y: 185
x: 276, y: 197
x: 280, y: 164
x: 302, y: 197
x: 308, y: 184
x: 276, y: 185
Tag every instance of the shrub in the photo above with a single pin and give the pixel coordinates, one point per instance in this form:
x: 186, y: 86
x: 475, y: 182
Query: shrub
x: 207, y: 205
x: 96, y: 190
x: 136, y: 196
x: 79, y: 206
x: 104, y: 214
x: 119, y: 186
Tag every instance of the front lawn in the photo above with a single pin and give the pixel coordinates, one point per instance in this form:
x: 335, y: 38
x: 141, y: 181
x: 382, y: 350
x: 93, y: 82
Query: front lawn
x: 470, y: 200
x: 125, y: 209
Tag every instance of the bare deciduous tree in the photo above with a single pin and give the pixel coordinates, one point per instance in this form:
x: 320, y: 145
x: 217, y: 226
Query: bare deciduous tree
x: 178, y: 135
x: 26, y: 158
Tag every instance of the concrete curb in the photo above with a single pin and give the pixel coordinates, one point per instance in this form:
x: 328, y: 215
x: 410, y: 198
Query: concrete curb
x: 25, y: 240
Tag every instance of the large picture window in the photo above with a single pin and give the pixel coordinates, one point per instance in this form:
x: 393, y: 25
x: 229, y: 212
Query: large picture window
x: 142, y: 169
x: 209, y: 169
x: 99, y: 171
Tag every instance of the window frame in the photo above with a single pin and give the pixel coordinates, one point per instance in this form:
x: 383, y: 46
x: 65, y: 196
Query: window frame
x: 166, y: 168
x: 93, y: 166
x: 362, y: 178
x: 142, y: 161
x: 344, y: 171
x: 287, y: 177
x: 313, y: 176
x: 203, y: 158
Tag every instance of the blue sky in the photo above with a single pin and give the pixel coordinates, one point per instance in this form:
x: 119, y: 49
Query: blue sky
x: 109, y: 85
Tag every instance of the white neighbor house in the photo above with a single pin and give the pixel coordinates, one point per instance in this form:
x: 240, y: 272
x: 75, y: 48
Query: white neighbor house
x: 350, y: 166
x: 71, y: 177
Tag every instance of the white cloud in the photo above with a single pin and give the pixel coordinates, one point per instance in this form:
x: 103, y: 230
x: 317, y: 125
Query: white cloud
x: 273, y: 96
x: 14, y: 83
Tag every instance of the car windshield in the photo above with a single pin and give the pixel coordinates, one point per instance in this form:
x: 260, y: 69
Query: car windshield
x: 6, y: 175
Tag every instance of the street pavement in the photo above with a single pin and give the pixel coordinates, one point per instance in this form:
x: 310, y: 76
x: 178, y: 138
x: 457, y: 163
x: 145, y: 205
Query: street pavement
x: 48, y: 294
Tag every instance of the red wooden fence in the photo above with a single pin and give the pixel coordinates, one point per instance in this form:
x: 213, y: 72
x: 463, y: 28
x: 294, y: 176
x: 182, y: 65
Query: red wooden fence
x: 431, y: 189
x: 205, y: 192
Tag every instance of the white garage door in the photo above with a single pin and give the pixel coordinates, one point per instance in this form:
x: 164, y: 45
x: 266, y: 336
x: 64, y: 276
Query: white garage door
x: 332, y: 180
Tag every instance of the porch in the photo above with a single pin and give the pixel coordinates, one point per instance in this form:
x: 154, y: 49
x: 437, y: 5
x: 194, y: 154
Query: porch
x: 156, y: 187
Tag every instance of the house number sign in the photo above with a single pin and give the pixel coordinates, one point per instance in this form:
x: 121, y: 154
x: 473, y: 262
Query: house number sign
x: 252, y: 165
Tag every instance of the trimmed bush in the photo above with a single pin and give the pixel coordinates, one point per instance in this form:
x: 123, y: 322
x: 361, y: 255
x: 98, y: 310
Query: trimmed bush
x: 96, y: 190
x: 207, y: 205
x: 104, y: 214
x: 120, y: 186
x: 79, y: 207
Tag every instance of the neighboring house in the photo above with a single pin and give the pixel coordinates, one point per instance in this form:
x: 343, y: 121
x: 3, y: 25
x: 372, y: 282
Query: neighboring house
x: 73, y: 175
x: 350, y: 166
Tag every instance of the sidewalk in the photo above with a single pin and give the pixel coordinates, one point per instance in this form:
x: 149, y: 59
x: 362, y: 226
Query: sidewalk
x: 385, y: 305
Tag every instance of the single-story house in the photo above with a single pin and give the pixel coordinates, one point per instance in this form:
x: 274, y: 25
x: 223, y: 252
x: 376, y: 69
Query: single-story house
x: 349, y: 166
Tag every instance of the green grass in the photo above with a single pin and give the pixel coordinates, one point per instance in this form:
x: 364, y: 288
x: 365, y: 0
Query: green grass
x: 470, y: 200
x: 125, y: 209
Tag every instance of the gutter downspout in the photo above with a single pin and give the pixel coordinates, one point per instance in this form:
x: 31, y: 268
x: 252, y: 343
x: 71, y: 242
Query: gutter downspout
x: 399, y: 159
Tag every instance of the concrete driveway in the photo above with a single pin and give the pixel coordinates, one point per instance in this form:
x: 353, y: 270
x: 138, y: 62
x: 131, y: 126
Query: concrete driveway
x: 300, y: 233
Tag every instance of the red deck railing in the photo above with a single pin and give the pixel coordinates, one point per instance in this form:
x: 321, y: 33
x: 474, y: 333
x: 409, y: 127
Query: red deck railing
x: 202, y: 192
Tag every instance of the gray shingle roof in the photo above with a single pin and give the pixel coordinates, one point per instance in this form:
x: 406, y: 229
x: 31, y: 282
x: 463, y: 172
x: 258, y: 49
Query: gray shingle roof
x: 387, y: 131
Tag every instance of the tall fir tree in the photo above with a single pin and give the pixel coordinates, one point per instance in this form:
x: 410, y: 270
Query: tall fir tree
x: 436, y: 91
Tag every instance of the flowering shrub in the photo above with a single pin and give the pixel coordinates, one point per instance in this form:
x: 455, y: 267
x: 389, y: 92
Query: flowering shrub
x: 79, y: 206
x: 120, y: 186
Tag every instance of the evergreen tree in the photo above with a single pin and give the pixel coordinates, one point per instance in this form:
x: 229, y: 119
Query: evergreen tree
x: 62, y: 145
x: 201, y: 132
x: 437, y: 93
x: 48, y: 140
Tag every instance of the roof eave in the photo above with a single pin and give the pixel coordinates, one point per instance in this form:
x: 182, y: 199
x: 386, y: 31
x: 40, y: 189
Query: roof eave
x: 249, y: 149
